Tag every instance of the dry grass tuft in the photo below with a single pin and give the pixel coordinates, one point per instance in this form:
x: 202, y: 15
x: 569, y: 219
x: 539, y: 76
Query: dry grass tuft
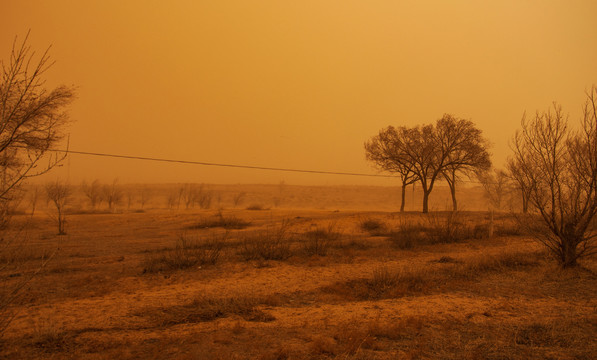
x: 256, y: 207
x: 48, y: 338
x: 186, y: 254
x: 384, y: 284
x: 205, y: 309
x: 273, y: 243
x: 500, y: 263
x: 373, y: 226
x: 318, y: 241
x: 220, y: 221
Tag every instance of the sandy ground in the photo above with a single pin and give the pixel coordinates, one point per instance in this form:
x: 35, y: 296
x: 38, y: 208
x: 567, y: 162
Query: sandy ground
x: 96, y: 299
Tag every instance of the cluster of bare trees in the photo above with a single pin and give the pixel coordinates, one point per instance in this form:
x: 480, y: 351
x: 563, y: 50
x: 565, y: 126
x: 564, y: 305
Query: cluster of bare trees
x: 190, y: 196
x: 96, y: 192
x: 449, y: 149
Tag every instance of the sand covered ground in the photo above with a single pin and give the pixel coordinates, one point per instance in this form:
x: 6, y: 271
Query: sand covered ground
x: 295, y: 283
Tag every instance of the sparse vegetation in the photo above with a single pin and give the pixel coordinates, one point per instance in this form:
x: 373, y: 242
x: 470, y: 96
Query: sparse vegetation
x: 273, y: 243
x: 205, y: 309
x: 220, y: 221
x: 188, y: 252
x: 318, y: 241
x: 373, y: 226
x: 297, y: 288
x: 255, y: 207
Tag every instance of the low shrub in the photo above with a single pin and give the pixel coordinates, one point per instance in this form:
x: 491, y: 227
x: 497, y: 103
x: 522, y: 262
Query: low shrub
x: 384, y: 284
x: 273, y: 243
x: 219, y: 220
x: 318, y: 241
x: 448, y: 228
x: 373, y: 226
x: 187, y: 253
x: 255, y: 207
x: 408, y: 235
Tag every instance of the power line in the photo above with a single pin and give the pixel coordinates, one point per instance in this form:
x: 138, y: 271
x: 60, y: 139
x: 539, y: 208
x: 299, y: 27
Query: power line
x: 204, y: 163
x: 220, y: 164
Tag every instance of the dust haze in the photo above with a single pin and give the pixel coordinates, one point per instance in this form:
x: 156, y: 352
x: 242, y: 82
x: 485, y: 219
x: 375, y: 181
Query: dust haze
x: 298, y: 180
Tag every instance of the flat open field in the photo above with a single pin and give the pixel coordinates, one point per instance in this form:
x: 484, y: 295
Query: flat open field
x: 290, y: 283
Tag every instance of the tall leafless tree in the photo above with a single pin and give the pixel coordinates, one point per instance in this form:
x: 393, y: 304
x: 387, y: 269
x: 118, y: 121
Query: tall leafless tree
x: 560, y: 167
x: 465, y: 150
x: 386, y: 151
x: 32, y: 120
x: 521, y: 181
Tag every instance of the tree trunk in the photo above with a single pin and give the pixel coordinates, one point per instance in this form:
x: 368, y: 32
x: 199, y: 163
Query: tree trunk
x: 525, y: 202
x: 403, y: 198
x: 568, y: 254
x: 453, y: 192
x: 426, y: 201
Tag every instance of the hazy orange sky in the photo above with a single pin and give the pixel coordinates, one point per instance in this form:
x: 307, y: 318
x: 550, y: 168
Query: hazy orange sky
x: 297, y: 84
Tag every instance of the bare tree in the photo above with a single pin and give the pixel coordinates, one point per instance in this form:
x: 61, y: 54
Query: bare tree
x: 59, y: 194
x: 466, y: 151
x: 560, y: 167
x: 144, y: 196
x: 112, y: 194
x: 33, y: 198
x: 32, y: 121
x: 93, y: 192
x: 130, y: 198
x: 238, y: 198
x: 387, y: 152
x: 495, y: 186
x: 521, y: 181
x: 32, y: 118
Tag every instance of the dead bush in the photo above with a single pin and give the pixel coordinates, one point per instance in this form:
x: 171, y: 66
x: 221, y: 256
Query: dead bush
x: 510, y: 260
x: 255, y: 207
x: 384, y: 284
x: 219, y: 220
x: 408, y: 235
x: 273, y: 243
x: 188, y: 252
x: 318, y: 241
x: 373, y: 226
x: 448, y: 228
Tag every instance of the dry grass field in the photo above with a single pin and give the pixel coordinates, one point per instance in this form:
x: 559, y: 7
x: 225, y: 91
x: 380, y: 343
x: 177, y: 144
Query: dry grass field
x: 298, y: 280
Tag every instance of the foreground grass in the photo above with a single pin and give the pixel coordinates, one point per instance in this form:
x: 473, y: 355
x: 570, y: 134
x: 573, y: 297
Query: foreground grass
x: 333, y: 293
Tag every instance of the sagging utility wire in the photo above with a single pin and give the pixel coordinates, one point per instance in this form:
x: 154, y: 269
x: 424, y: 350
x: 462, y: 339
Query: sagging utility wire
x: 68, y: 151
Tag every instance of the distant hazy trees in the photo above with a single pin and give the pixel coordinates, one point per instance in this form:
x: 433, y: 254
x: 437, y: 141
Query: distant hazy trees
x: 112, y: 194
x: 496, y: 185
x: 557, y: 169
x: 451, y: 148
x: 93, y: 192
